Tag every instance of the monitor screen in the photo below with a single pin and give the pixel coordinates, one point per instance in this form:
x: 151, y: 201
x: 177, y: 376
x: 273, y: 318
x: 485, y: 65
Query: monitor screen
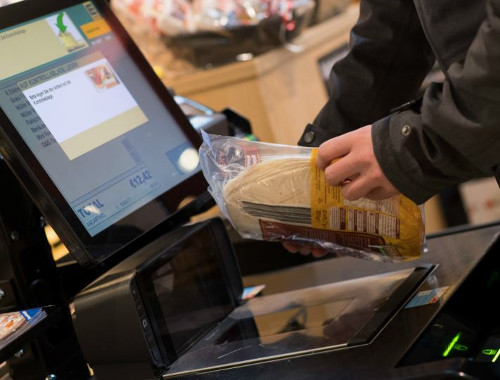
x: 88, y: 128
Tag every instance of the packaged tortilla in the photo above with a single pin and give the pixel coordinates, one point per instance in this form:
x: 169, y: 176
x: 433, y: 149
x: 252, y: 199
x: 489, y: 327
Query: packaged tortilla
x: 275, y: 192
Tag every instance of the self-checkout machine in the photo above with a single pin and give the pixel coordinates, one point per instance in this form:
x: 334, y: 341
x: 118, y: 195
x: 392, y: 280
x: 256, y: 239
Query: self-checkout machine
x: 107, y: 155
x: 69, y: 65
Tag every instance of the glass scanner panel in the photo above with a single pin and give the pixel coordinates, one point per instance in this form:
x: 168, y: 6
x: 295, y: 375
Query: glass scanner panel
x: 270, y: 327
x: 301, y: 321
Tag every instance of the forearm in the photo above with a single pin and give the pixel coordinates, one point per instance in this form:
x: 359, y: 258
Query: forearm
x: 455, y: 135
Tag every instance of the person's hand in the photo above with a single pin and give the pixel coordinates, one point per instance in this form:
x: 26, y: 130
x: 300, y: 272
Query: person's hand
x: 354, y: 166
x: 304, y: 249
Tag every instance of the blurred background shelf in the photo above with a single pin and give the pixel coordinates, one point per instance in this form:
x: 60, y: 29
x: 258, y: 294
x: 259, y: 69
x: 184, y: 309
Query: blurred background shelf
x: 279, y: 91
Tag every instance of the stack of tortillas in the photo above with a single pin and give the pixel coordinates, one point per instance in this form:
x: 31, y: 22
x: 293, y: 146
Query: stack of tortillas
x: 278, y: 191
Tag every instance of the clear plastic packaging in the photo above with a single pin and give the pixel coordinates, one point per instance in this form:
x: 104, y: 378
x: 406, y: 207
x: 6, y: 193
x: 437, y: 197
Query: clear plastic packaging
x: 275, y: 192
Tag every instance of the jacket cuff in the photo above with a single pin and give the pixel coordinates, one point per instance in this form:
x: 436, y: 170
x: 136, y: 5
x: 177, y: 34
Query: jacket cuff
x: 388, y: 135
x: 314, y: 136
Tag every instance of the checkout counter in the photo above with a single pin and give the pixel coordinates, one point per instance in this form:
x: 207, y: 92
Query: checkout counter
x: 149, y: 294
x: 433, y: 318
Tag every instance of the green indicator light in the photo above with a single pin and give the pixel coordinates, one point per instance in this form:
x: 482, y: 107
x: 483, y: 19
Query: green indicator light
x: 496, y: 356
x: 452, y: 343
x: 489, y: 351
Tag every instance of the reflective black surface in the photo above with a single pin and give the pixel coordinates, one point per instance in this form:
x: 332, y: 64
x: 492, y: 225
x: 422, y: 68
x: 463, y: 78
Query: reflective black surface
x: 303, y: 321
x: 468, y: 326
x: 455, y: 253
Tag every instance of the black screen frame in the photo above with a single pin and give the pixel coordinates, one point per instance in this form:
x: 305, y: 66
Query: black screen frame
x: 89, y: 250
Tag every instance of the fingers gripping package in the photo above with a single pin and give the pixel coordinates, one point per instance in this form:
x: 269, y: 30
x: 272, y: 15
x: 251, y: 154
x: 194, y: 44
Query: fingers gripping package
x: 275, y: 192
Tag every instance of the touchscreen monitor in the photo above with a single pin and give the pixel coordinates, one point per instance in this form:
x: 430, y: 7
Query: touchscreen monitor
x: 88, y: 128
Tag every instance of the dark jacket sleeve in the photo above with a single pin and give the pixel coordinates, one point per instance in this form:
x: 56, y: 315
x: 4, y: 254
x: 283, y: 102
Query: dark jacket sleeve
x: 455, y: 135
x: 388, y: 58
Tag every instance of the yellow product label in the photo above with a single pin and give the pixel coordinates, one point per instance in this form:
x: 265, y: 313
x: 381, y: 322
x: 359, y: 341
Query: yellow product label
x: 391, y: 226
x: 323, y: 196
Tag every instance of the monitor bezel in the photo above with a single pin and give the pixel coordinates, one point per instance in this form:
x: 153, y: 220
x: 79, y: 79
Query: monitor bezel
x: 88, y: 250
